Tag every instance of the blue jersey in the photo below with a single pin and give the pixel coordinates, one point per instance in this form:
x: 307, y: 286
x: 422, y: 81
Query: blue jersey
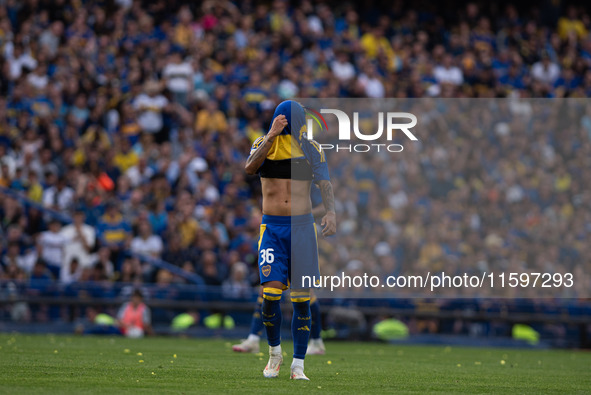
x: 293, y: 155
x: 296, y: 127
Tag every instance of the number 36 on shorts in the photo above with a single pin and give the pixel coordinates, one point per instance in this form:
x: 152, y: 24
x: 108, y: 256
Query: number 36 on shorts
x: 267, y: 256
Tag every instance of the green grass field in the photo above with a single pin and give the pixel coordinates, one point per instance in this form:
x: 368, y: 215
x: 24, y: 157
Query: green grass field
x: 67, y: 364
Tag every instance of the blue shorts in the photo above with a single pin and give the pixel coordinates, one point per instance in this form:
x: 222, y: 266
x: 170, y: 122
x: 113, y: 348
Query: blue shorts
x: 288, y: 250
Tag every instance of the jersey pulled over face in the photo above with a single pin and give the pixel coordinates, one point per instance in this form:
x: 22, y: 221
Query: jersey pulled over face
x: 293, y: 155
x: 284, y: 160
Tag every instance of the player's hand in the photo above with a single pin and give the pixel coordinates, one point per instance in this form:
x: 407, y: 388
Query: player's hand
x: 279, y: 123
x: 329, y: 223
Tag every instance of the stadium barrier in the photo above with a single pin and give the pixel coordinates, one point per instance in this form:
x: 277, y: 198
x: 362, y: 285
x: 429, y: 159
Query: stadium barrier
x: 166, y: 301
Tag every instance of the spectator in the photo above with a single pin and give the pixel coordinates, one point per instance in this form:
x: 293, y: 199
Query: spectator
x: 80, y: 239
x: 40, y: 274
x: 208, y: 269
x: 59, y: 196
x: 342, y: 68
x: 50, y: 247
x: 50, y: 38
x: 374, y: 43
x: 131, y: 271
x: 447, y: 73
x: 127, y: 123
x: 371, y: 84
x: 178, y: 75
x: 103, y: 257
x: 237, y: 286
x: 13, y: 259
x: 150, y: 106
x: 126, y: 158
x: 147, y: 243
x: 134, y: 318
x: 570, y: 24
x: 19, y: 60
x: 211, y: 120
x: 112, y: 230
x: 140, y: 173
x: 545, y: 71
x: 71, y: 272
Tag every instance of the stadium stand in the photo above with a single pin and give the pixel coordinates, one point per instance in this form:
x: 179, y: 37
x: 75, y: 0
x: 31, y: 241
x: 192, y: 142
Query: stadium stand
x: 139, y: 114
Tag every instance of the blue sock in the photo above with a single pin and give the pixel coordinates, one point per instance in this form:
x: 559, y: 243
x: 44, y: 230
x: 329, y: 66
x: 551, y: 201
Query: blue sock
x: 271, y: 313
x: 256, y: 325
x: 300, y: 323
x: 316, y: 319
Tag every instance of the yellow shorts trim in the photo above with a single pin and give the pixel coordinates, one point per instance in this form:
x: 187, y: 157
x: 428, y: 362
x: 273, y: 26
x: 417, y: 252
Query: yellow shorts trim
x: 263, y: 229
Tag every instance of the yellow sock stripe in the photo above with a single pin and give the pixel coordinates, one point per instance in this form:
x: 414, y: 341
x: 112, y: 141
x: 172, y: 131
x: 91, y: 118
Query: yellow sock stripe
x: 273, y: 291
x: 300, y: 300
x: 300, y: 293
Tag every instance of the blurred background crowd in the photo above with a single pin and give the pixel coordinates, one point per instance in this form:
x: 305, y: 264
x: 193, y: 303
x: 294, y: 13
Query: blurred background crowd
x: 134, y: 118
x: 494, y: 185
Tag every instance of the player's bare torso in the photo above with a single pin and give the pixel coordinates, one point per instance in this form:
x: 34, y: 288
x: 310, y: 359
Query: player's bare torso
x: 286, y: 197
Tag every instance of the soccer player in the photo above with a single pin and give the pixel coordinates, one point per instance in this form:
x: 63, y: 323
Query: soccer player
x: 287, y: 163
x: 316, y: 345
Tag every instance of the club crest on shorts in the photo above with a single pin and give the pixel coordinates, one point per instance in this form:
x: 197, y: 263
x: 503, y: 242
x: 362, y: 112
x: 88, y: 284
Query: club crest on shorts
x: 266, y: 270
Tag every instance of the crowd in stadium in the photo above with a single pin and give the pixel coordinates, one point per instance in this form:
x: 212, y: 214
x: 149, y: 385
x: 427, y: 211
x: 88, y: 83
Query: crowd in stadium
x: 135, y: 118
x: 507, y: 195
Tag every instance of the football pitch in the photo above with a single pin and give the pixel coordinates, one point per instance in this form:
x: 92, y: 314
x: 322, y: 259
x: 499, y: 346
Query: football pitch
x: 69, y: 364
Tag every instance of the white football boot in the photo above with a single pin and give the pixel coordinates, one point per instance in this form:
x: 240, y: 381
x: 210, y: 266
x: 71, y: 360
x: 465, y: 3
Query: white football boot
x: 316, y: 347
x: 297, y: 372
x: 247, y: 345
x: 274, y: 364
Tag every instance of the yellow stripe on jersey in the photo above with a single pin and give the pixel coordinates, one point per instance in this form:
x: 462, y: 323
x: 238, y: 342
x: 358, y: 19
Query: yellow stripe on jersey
x: 285, y: 147
x: 319, y: 149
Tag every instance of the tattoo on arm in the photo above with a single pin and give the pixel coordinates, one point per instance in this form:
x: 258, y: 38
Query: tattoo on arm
x: 327, y: 195
x: 257, y: 158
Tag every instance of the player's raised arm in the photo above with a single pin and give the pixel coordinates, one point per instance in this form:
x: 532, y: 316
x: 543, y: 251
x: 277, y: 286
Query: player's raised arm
x: 259, y: 153
x: 329, y: 221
